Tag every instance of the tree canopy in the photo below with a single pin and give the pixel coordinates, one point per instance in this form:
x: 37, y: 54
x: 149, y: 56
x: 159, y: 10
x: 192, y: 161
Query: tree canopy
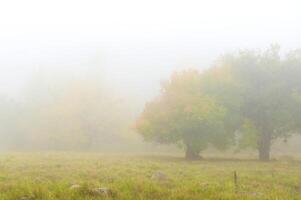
x: 250, y: 97
x: 263, y: 91
x: 184, y: 115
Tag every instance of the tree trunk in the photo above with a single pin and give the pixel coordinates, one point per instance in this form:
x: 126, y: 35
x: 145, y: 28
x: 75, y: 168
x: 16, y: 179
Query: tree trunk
x: 264, y: 146
x: 191, y: 154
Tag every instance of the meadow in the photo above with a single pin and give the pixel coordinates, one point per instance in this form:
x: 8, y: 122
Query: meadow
x: 87, y: 176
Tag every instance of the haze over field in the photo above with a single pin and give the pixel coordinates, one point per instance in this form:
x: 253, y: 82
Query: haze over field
x: 63, y: 62
x: 159, y: 99
x: 134, y: 44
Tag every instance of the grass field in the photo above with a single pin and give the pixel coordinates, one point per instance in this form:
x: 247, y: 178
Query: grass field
x: 66, y: 176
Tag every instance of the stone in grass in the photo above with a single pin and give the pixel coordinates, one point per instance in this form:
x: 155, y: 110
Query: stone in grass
x: 205, y: 184
x: 159, y: 176
x: 252, y: 194
x: 74, y: 187
x: 27, y: 198
x: 101, y: 192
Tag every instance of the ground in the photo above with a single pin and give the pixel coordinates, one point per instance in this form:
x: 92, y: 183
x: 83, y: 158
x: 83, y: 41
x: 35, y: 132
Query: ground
x: 49, y: 176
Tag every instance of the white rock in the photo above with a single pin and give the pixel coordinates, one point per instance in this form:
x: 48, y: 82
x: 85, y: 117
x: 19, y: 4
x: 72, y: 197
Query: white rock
x: 74, y: 187
x: 101, y: 192
x: 159, y: 176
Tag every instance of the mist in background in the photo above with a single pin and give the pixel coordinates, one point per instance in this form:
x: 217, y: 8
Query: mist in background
x: 74, y: 75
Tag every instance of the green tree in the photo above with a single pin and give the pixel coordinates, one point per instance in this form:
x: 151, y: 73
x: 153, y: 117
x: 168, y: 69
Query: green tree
x: 268, y: 92
x: 182, y: 114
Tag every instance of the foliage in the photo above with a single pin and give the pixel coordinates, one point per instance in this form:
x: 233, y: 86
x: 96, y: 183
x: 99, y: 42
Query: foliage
x: 253, y: 94
x: 183, y: 114
x: 268, y: 87
x: 248, y: 135
x: 79, y: 114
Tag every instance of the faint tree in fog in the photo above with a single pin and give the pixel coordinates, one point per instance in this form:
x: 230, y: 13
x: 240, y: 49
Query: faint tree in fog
x: 84, y: 116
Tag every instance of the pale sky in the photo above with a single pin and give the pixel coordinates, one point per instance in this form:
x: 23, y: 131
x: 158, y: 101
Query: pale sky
x: 135, y: 43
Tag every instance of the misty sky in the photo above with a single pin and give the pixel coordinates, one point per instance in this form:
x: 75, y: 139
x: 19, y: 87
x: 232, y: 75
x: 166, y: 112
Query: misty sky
x: 134, y: 44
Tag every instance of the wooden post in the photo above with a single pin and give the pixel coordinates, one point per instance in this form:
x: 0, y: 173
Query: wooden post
x: 235, y: 181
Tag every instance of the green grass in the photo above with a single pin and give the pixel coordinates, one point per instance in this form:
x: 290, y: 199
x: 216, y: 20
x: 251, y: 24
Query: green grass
x: 48, y: 176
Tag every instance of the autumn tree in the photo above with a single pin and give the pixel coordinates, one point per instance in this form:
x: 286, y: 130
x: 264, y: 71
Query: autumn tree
x: 182, y: 114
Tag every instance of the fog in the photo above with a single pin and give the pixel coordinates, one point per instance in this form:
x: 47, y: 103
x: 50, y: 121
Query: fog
x: 66, y: 65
